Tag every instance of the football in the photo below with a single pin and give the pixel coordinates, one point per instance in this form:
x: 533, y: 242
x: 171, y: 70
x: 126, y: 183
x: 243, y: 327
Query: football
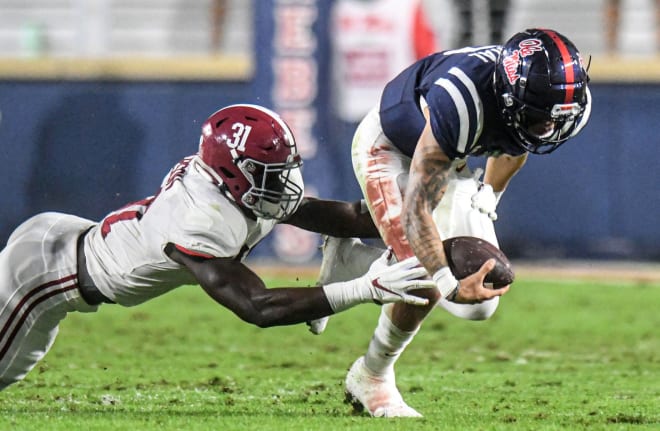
x: 466, y: 254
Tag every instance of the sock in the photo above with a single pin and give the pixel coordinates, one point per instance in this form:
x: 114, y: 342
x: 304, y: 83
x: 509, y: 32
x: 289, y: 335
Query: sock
x: 387, y: 344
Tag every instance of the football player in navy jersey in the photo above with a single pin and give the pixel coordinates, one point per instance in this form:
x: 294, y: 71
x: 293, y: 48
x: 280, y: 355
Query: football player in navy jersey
x: 529, y: 95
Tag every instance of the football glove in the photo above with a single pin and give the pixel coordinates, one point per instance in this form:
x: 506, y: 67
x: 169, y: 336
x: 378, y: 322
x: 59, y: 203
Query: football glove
x: 392, y: 283
x: 485, y: 200
x: 382, y: 284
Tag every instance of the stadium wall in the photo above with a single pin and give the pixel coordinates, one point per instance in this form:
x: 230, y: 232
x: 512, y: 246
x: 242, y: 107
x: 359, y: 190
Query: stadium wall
x: 89, y: 143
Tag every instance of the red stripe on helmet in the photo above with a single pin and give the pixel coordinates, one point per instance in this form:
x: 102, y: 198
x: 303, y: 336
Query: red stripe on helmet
x: 569, y: 68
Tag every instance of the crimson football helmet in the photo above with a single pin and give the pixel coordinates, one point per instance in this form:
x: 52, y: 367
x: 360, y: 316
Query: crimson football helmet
x: 251, y: 153
x: 541, y: 89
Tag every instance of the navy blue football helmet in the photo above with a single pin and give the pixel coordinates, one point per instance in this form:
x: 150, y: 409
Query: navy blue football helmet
x: 541, y: 89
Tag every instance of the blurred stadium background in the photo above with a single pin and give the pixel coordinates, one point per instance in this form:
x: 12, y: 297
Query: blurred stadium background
x: 98, y: 98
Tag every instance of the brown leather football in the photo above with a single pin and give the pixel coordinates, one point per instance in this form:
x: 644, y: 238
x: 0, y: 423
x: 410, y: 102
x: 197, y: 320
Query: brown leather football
x: 466, y: 254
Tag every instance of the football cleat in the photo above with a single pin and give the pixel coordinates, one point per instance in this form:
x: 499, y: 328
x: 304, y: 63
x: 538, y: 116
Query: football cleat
x: 317, y: 326
x: 376, y: 394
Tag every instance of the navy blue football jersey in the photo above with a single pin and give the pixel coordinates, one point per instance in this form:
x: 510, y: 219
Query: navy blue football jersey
x: 457, y: 86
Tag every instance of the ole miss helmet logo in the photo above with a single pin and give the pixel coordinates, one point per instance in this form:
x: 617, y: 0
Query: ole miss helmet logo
x: 512, y: 61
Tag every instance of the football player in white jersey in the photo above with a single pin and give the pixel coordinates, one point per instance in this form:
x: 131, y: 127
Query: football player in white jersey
x: 529, y: 95
x: 210, y: 210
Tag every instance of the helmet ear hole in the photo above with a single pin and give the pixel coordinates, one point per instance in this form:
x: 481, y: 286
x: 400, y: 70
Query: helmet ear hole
x: 226, y: 173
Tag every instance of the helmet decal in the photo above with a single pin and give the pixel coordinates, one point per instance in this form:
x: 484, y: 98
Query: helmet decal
x: 236, y: 142
x: 530, y: 46
x: 511, y: 64
x: 512, y: 61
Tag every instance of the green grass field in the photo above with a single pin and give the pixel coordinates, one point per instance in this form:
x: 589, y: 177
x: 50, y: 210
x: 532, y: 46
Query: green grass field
x: 561, y: 355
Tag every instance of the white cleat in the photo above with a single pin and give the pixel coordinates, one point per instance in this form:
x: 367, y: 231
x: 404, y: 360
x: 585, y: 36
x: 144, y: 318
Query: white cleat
x: 378, y: 395
x: 317, y: 326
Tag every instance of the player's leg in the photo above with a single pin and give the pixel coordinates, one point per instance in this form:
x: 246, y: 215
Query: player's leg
x: 455, y: 216
x: 380, y: 169
x: 371, y: 382
x: 343, y: 259
x: 38, y: 286
x: 29, y: 343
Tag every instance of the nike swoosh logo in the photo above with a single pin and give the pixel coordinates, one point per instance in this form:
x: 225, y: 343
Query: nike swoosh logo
x: 377, y: 285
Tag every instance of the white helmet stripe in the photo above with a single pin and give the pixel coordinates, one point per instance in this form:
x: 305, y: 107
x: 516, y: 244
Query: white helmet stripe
x: 585, y: 117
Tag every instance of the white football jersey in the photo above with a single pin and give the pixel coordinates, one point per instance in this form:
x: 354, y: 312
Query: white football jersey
x: 125, y: 251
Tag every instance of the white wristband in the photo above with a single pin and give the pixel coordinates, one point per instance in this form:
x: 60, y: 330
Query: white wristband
x: 343, y: 295
x: 445, y: 281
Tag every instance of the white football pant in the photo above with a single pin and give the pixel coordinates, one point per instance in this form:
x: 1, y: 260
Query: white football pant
x: 38, y: 287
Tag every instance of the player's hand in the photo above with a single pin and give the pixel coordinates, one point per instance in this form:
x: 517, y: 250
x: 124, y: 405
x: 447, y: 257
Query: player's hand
x: 471, y: 289
x: 392, y: 283
x: 485, y: 201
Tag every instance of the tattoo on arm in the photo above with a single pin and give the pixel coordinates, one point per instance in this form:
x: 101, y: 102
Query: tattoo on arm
x: 429, y: 177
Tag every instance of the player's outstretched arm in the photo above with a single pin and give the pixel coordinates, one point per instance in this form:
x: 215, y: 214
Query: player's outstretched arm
x: 335, y: 218
x: 236, y: 287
